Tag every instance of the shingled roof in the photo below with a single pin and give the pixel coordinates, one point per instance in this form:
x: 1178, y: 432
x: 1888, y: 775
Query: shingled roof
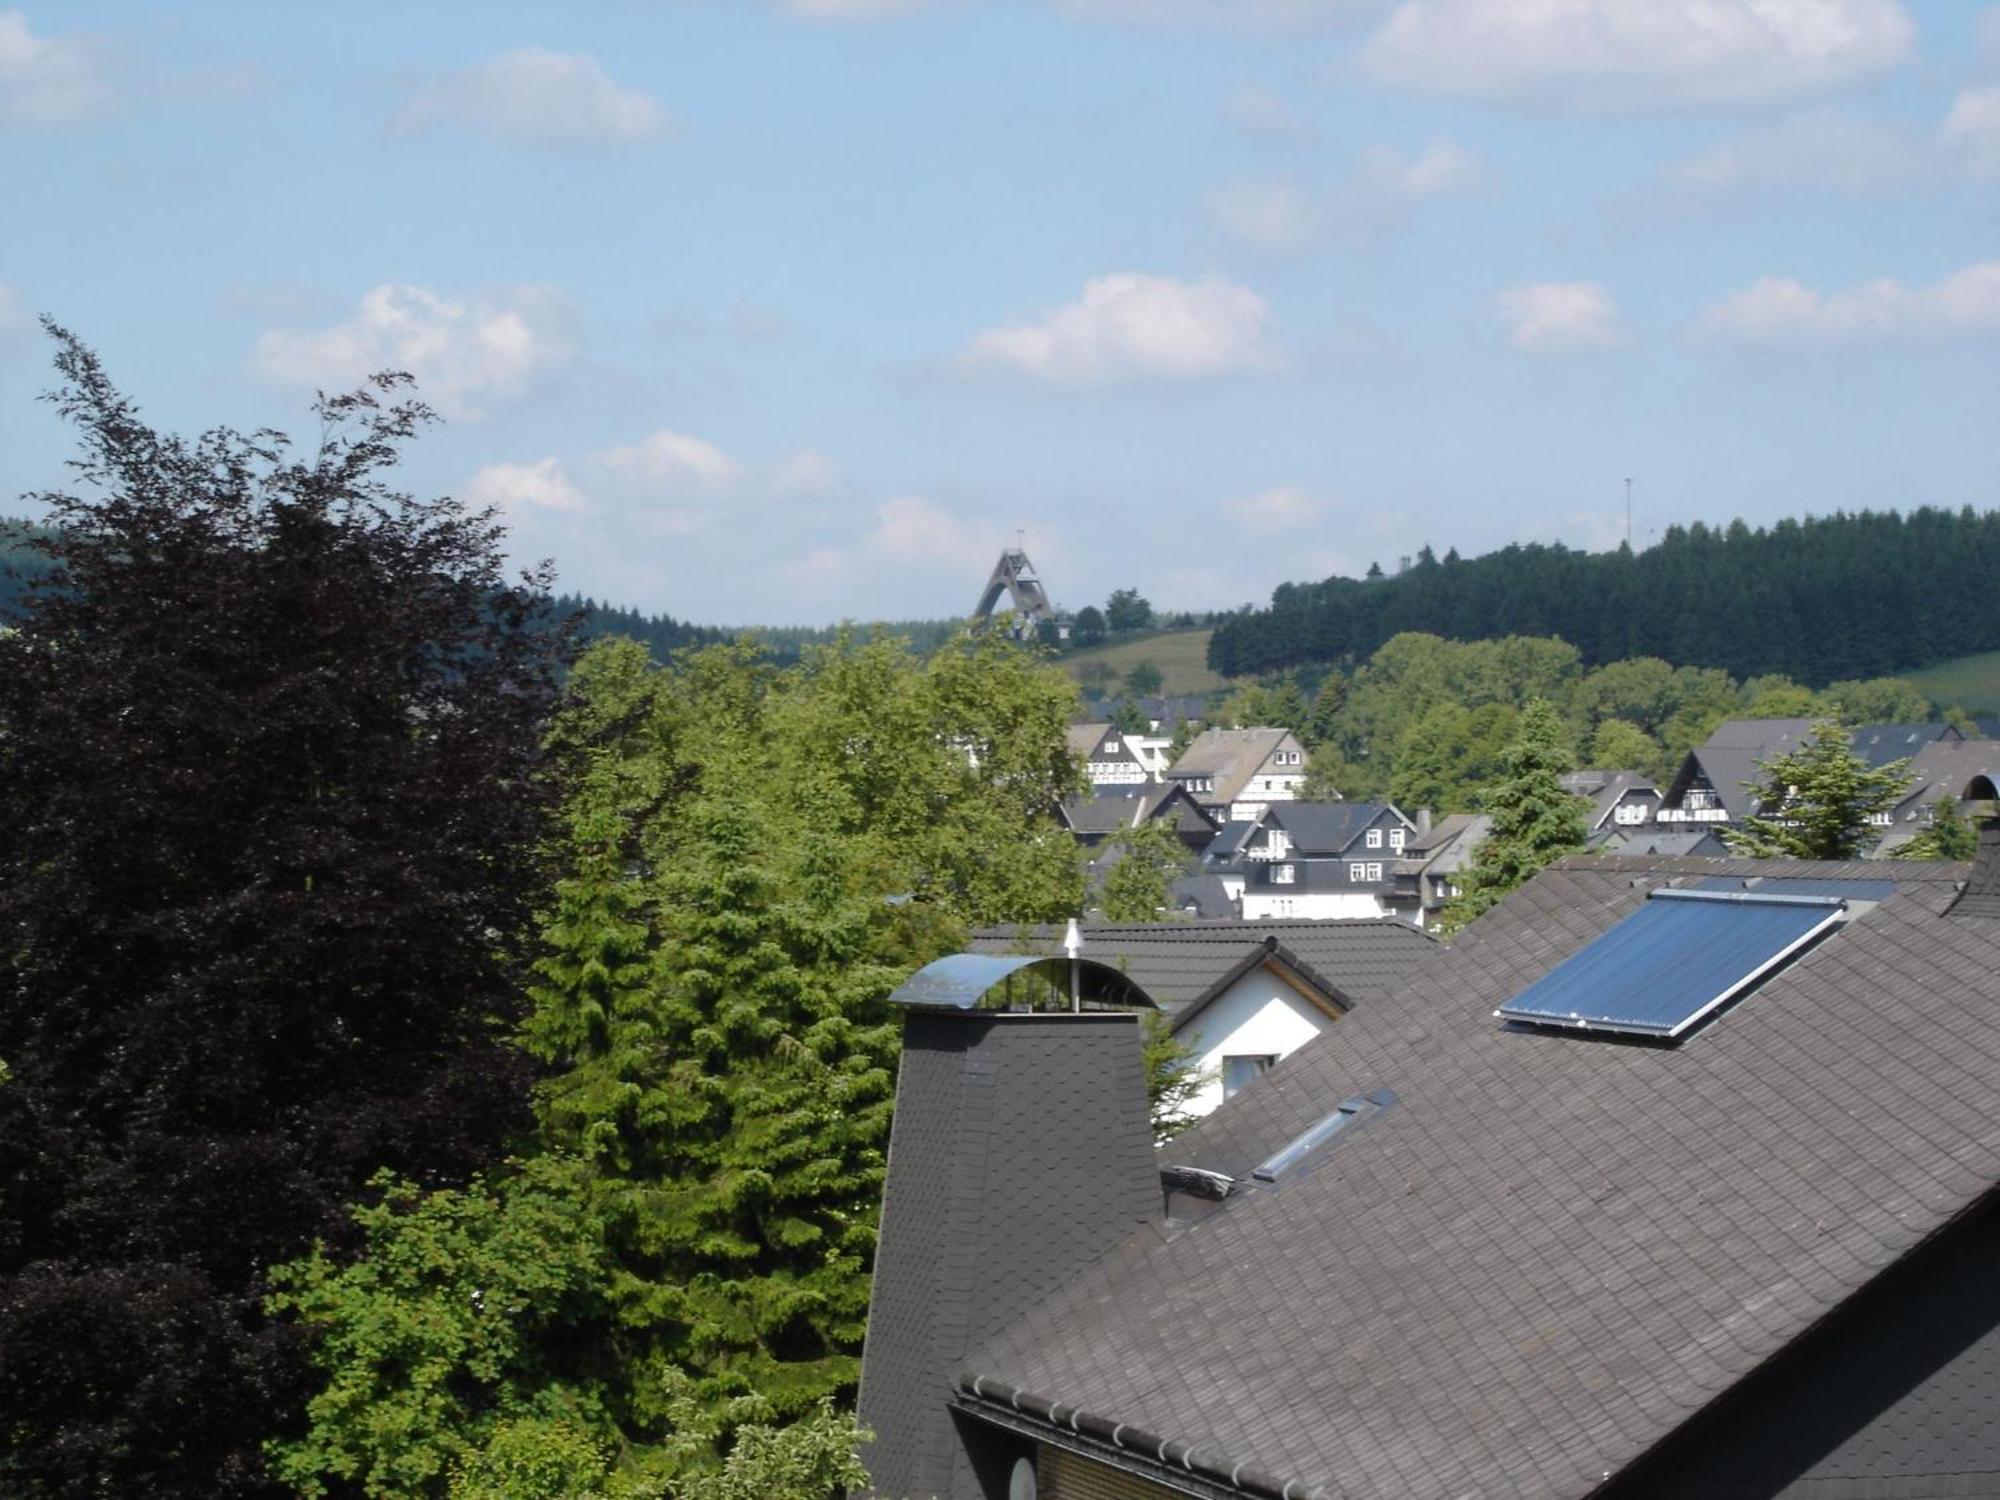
x: 1179, y: 964
x: 1551, y: 1252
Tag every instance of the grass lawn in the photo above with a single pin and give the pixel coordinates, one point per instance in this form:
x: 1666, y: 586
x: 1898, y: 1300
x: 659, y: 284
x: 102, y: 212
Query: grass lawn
x: 1971, y: 682
x: 1181, y: 656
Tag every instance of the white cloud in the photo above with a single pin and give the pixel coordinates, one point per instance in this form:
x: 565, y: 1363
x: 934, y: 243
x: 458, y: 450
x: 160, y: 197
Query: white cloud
x: 1284, y: 509
x: 1618, y: 53
x: 1273, y: 215
x: 673, y: 465
x: 1817, y: 149
x: 1972, y: 130
x: 536, y: 95
x: 806, y: 472
x: 516, y: 488
x: 1444, y: 167
x: 1559, y: 317
x: 1779, y: 312
x: 466, y: 353
x: 1261, y: 112
x: 48, y: 81
x: 1134, y: 327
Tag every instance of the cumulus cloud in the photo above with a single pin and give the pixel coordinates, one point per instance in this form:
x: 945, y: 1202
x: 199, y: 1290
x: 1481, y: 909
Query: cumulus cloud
x: 1633, y: 53
x: 536, y: 95
x: 1780, y: 312
x: 1284, y: 509
x: 1820, y: 148
x: 514, y: 489
x: 1273, y: 215
x: 806, y: 472
x: 673, y: 465
x: 467, y: 353
x: 1442, y: 167
x: 48, y: 80
x: 1559, y: 317
x: 1972, y: 130
x: 1134, y: 327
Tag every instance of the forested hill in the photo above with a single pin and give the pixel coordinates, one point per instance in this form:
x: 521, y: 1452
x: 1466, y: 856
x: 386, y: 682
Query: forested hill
x: 1845, y: 596
x: 662, y: 635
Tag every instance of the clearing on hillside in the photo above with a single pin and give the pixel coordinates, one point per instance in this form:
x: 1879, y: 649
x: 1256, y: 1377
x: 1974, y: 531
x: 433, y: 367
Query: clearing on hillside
x: 1181, y: 656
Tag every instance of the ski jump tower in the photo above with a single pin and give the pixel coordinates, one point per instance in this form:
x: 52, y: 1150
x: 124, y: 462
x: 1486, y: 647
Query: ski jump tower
x: 1015, y: 576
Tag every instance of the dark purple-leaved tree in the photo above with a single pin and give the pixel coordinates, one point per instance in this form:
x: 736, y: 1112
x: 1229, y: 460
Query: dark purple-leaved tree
x: 270, y: 814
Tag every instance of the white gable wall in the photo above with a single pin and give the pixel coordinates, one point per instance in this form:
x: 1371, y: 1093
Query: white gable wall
x: 1258, y: 1016
x: 1267, y: 902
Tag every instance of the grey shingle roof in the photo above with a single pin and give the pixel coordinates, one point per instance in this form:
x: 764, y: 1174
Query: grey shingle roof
x: 1179, y: 963
x: 1551, y: 1251
x: 1878, y: 744
x: 1945, y: 768
x: 1323, y: 827
x: 1231, y: 756
x: 1771, y: 735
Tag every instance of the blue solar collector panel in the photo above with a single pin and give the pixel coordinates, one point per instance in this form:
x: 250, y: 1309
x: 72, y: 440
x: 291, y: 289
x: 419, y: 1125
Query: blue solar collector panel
x: 1674, y: 960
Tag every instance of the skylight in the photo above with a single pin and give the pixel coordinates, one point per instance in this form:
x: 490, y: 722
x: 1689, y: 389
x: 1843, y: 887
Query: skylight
x: 1675, y: 960
x: 1347, y: 1114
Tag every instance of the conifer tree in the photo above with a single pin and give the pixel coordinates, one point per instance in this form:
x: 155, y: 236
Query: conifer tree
x: 1535, y: 821
x: 1948, y: 835
x: 1818, y: 801
x: 1139, y: 883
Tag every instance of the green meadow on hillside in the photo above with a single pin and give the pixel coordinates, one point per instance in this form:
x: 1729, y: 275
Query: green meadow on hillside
x: 1181, y: 656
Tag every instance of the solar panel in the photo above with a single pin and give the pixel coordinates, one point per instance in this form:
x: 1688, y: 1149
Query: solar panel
x: 1673, y: 961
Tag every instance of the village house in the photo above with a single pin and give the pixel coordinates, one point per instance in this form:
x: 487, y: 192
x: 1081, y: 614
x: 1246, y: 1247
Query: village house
x: 1242, y: 996
x: 1667, y: 1178
x: 1237, y: 773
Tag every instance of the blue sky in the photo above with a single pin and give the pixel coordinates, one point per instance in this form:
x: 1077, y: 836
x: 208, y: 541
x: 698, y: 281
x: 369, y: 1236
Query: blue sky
x: 785, y: 313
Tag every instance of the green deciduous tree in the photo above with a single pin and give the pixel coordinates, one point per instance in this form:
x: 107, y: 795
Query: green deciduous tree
x: 752, y: 859
x: 1817, y: 801
x: 270, y: 785
x: 1534, y: 820
x: 1144, y: 679
x: 1127, y: 610
x: 1619, y: 746
x: 1139, y: 882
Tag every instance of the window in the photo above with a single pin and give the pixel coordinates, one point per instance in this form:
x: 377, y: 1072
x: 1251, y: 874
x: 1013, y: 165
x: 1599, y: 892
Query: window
x: 1282, y: 874
x: 1374, y: 838
x: 1302, y: 1148
x: 1239, y: 1072
x: 1357, y: 871
x: 1281, y: 843
x: 1396, y: 836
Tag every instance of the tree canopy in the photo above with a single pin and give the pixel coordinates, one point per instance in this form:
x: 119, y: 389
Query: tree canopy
x: 270, y: 779
x: 1817, y: 802
x: 1535, y: 821
x: 1845, y: 596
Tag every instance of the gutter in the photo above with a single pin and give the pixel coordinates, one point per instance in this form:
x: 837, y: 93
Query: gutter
x: 1173, y: 1455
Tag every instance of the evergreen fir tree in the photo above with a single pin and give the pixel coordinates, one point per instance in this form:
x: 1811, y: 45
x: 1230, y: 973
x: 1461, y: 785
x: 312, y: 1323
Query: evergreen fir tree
x: 1949, y: 835
x: 1535, y: 821
x: 1817, y: 802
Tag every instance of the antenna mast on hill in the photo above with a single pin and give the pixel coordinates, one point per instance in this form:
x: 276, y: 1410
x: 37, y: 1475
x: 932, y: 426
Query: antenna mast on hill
x: 1628, y: 515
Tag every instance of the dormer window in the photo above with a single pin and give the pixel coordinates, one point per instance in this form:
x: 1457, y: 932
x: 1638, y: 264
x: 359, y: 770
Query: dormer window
x: 1283, y: 874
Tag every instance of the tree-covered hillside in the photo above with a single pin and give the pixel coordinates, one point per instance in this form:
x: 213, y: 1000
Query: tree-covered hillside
x: 1844, y: 596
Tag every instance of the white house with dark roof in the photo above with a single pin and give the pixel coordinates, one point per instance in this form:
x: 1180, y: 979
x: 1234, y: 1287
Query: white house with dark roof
x: 1241, y: 772
x: 1108, y: 758
x: 1319, y: 860
x: 1241, y: 995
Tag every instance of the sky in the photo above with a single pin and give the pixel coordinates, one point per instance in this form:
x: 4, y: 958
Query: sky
x: 785, y: 313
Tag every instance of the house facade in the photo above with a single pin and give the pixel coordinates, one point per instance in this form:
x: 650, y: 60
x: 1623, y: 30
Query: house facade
x: 1238, y: 773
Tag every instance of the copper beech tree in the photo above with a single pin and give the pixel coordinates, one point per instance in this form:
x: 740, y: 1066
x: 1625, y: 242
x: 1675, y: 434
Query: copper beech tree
x: 269, y: 739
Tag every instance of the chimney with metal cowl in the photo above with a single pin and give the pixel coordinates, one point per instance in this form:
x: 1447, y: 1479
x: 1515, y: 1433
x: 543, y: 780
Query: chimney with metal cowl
x: 1021, y: 1151
x: 1981, y: 896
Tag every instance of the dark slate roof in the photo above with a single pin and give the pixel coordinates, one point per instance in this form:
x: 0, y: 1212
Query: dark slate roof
x: 1229, y: 842
x: 1205, y: 895
x: 1731, y: 770
x: 1878, y: 744
x: 1772, y: 736
x: 1981, y: 896
x: 1113, y: 808
x: 1180, y: 963
x: 1325, y: 827
x: 1604, y: 790
x: 1551, y: 1251
x: 1680, y: 840
x: 1946, y: 769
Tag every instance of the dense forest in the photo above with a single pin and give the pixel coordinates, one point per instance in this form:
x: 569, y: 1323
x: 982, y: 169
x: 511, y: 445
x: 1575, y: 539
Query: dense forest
x: 1843, y: 596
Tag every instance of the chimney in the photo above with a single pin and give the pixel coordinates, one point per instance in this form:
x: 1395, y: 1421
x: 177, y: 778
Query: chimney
x: 1981, y: 896
x: 1021, y: 1151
